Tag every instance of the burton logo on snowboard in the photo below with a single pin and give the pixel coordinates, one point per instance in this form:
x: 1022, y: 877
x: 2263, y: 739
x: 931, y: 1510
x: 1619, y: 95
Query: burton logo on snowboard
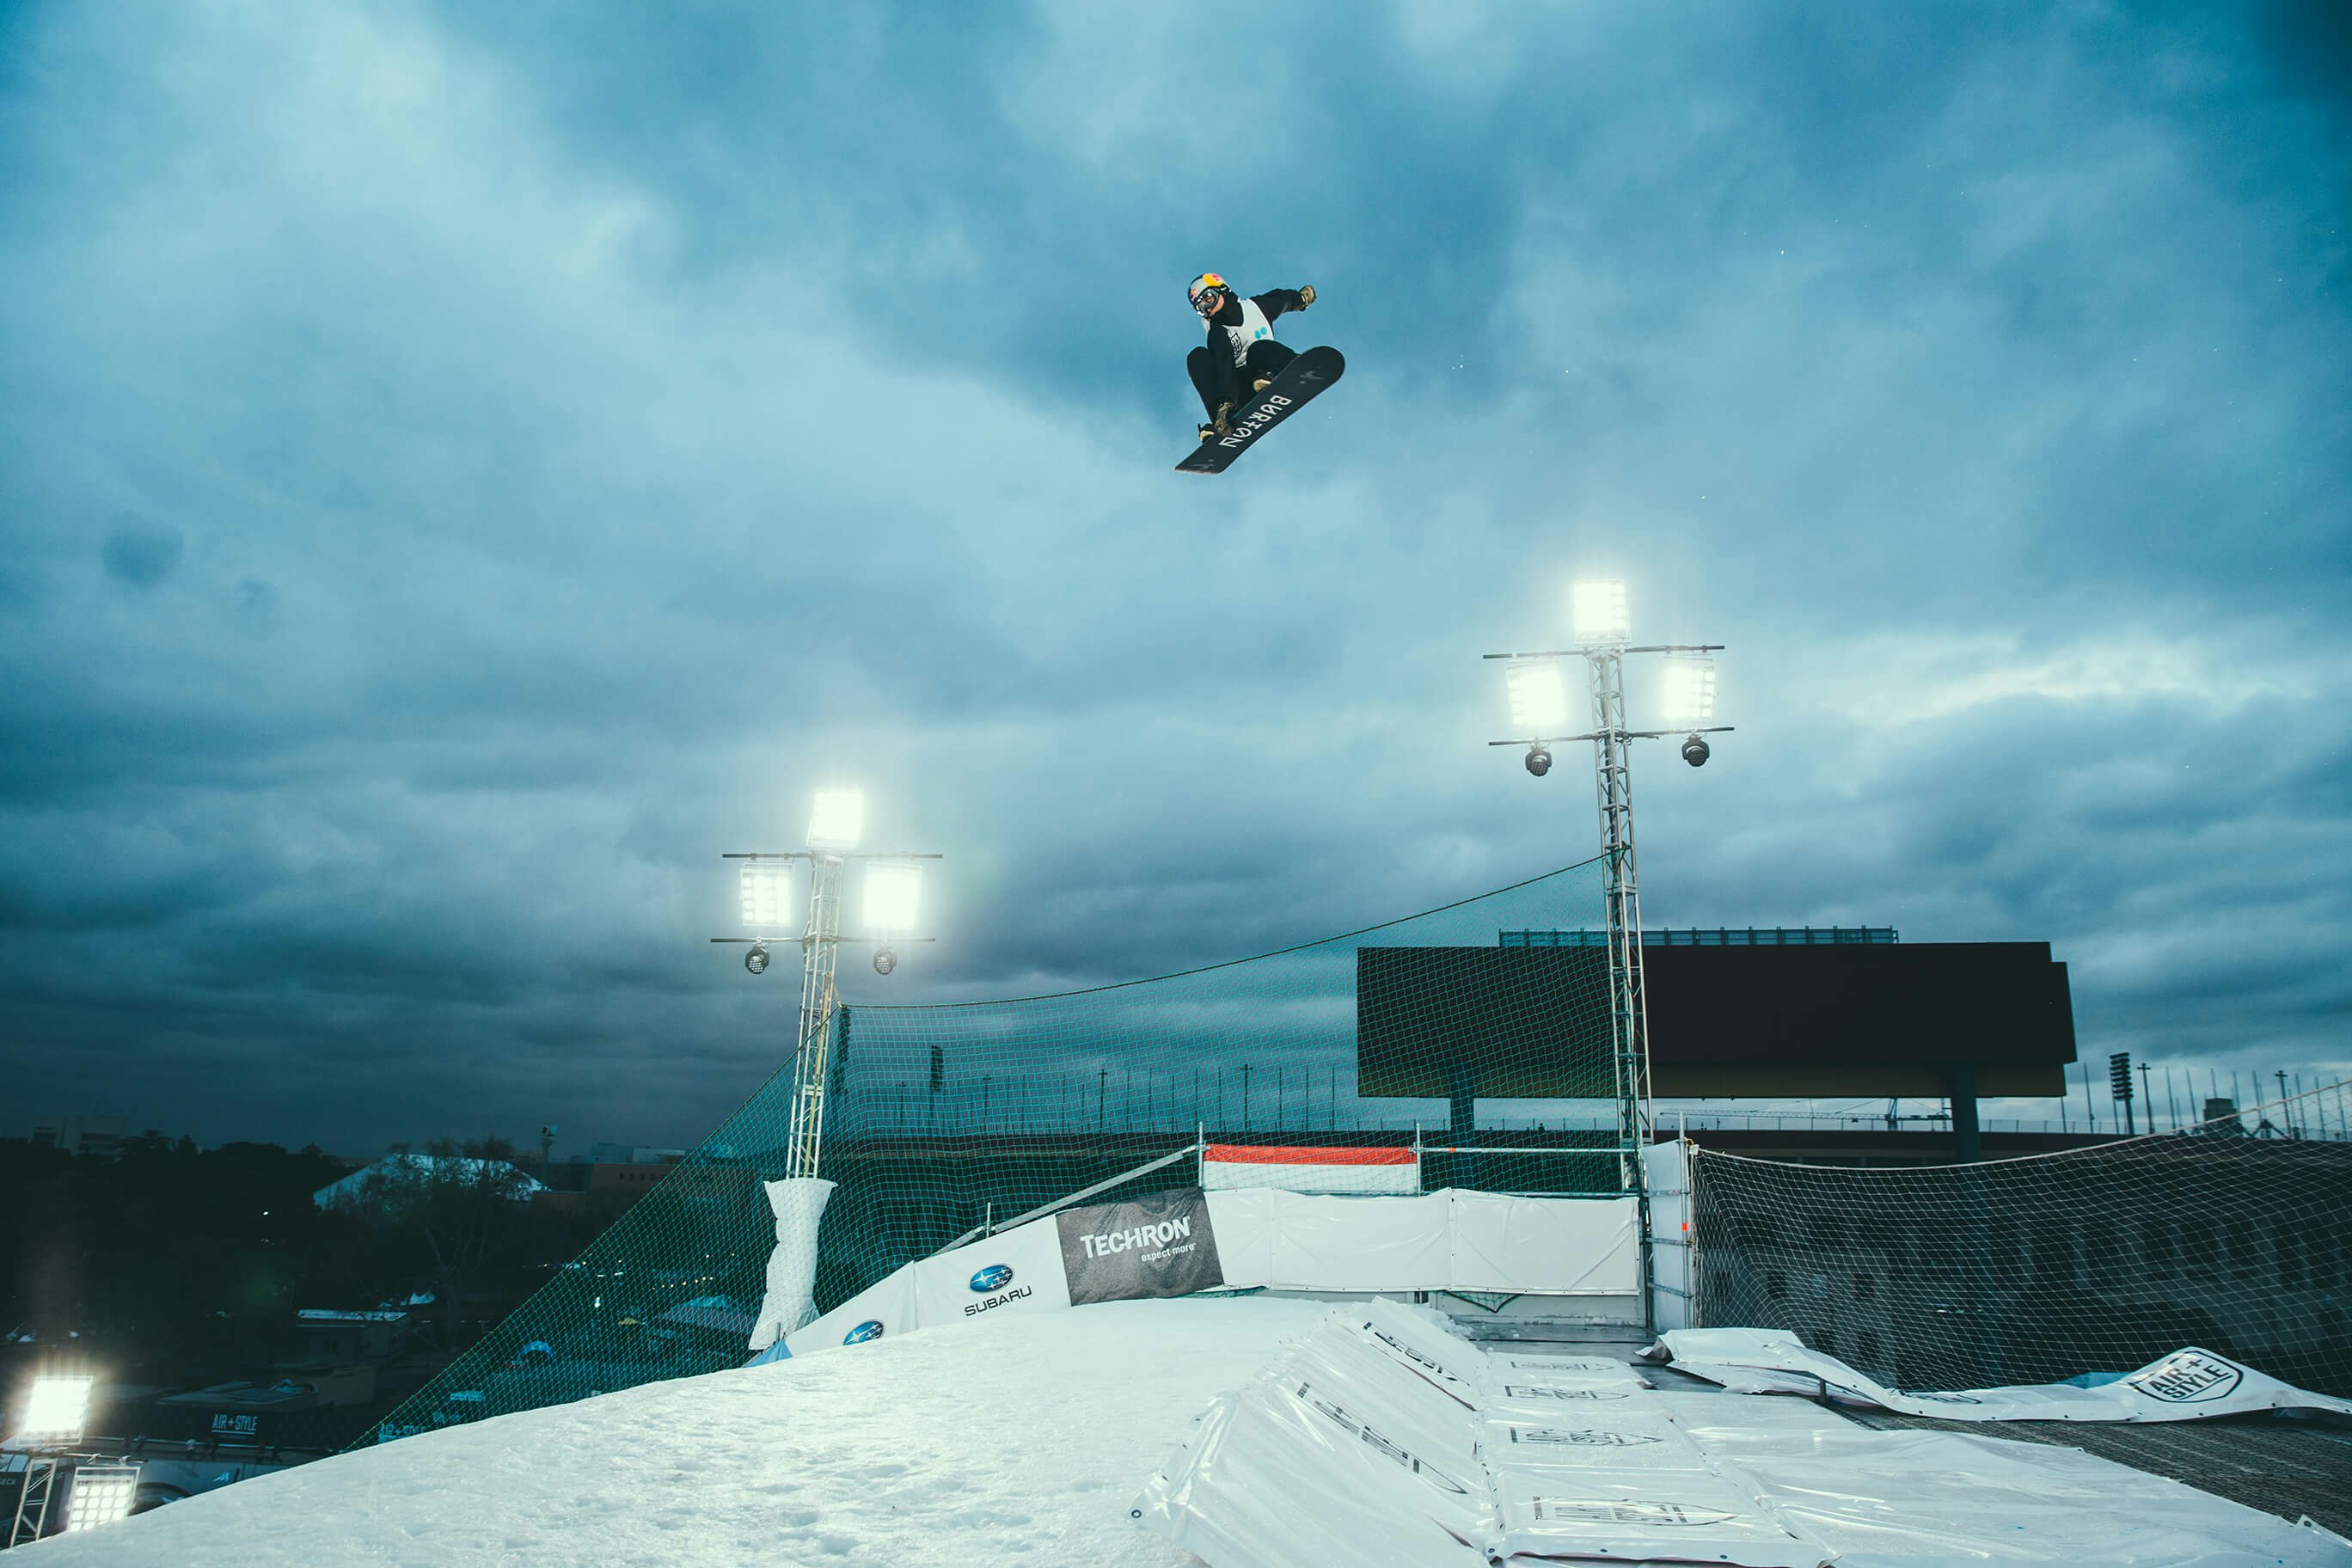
x: 1301, y: 380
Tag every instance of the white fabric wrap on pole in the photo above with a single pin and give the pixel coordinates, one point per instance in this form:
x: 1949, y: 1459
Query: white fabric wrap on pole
x: 799, y: 1204
x: 1666, y: 1168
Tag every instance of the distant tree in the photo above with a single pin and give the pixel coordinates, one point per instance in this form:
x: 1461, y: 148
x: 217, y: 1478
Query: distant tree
x: 460, y: 1214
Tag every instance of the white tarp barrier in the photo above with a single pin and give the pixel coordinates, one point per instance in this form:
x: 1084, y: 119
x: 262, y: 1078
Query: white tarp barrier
x: 1449, y: 1241
x: 1507, y: 1370
x: 1307, y: 1169
x: 1269, y: 1482
x: 1635, y: 1437
x: 1284, y: 1472
x: 882, y: 1308
x: 1244, y: 1222
x: 1348, y: 1383
x: 1643, y: 1515
x: 1361, y: 1244
x: 1422, y: 1341
x: 2186, y: 1385
x: 1381, y: 1438
x: 798, y: 1203
x: 1259, y: 1238
x: 1548, y: 1246
x: 1016, y: 1270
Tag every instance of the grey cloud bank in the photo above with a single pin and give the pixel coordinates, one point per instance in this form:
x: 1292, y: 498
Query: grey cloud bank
x: 464, y: 468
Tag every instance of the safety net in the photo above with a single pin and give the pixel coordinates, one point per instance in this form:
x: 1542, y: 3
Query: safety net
x: 948, y: 1120
x: 2233, y: 1235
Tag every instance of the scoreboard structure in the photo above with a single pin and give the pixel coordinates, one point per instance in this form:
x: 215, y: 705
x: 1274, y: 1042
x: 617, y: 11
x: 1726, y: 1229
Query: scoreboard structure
x: 1935, y: 1019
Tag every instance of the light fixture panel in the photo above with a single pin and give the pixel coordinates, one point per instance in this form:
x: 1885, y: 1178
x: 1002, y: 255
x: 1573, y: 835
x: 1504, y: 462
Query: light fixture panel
x: 1690, y: 692
x: 1600, y: 612
x: 1538, y: 697
x: 839, y: 820
x: 893, y: 896
x: 100, y: 1495
x: 769, y: 908
x: 57, y: 1409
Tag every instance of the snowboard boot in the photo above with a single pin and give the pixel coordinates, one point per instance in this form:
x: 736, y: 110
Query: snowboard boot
x: 1261, y: 384
x: 1207, y: 431
x: 1222, y: 421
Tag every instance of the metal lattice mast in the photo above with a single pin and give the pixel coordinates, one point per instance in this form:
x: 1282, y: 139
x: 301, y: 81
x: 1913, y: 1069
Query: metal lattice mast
x: 1629, y: 1018
x: 890, y: 902
x: 1540, y: 702
x: 820, y: 945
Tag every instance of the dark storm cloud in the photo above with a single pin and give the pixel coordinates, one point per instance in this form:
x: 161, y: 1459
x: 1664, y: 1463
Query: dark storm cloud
x: 139, y: 555
x: 466, y: 467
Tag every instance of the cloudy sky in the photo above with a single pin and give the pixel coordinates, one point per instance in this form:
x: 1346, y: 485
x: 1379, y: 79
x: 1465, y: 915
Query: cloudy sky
x: 465, y: 467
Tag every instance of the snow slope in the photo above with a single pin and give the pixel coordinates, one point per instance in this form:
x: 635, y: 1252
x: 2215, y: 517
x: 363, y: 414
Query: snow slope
x: 1016, y: 1441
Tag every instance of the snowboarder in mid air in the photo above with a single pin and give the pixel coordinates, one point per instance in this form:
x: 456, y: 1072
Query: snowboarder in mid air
x: 1241, y: 356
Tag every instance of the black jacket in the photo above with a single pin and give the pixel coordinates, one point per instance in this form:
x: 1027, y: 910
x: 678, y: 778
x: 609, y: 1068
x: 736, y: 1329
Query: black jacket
x: 1274, y: 303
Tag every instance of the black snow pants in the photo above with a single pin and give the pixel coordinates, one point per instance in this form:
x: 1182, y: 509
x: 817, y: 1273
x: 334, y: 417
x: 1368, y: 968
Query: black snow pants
x: 1226, y: 383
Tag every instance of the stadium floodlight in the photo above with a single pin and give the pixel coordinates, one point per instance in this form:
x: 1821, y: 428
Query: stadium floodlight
x: 1538, y: 697
x: 100, y: 1495
x: 1600, y: 612
x: 1690, y: 692
x: 893, y: 895
x: 57, y: 1410
x: 839, y: 820
x: 768, y: 906
x: 1539, y: 708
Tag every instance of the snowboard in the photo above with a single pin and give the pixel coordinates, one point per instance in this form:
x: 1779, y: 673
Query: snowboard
x: 1288, y: 393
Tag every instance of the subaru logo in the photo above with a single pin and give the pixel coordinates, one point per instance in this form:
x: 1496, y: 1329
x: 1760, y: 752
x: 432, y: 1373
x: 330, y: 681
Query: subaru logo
x: 995, y: 1277
x: 871, y: 1329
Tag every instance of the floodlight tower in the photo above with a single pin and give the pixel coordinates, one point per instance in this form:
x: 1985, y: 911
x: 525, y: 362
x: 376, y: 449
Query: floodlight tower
x: 56, y: 1413
x: 1538, y: 697
x: 893, y: 887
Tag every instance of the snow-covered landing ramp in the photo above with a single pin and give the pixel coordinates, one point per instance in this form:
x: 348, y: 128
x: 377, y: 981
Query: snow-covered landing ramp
x: 1017, y: 1441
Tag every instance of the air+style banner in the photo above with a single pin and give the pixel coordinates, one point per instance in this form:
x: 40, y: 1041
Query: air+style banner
x: 1158, y: 1246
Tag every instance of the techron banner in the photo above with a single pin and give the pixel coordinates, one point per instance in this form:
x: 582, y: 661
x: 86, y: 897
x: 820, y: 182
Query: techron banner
x: 1158, y: 1246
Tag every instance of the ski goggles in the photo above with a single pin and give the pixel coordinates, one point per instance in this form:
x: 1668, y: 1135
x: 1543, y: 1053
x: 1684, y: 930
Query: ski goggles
x: 1206, y: 285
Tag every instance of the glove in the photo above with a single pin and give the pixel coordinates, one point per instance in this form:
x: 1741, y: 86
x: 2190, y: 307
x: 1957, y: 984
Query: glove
x: 1306, y: 295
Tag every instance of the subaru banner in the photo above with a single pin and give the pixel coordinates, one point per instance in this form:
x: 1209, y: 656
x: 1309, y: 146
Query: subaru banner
x: 1158, y: 1246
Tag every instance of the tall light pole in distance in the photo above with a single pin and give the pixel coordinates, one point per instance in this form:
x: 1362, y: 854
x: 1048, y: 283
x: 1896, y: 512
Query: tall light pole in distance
x: 893, y: 883
x: 56, y: 1415
x: 1539, y: 705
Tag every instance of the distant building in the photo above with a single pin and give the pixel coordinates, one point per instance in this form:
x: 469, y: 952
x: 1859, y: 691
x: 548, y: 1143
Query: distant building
x: 100, y: 1136
x: 620, y: 1184
x: 633, y: 1155
x: 334, y: 1338
x: 358, y: 1188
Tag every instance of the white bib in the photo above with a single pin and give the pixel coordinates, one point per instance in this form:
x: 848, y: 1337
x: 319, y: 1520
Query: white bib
x: 1254, y: 328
